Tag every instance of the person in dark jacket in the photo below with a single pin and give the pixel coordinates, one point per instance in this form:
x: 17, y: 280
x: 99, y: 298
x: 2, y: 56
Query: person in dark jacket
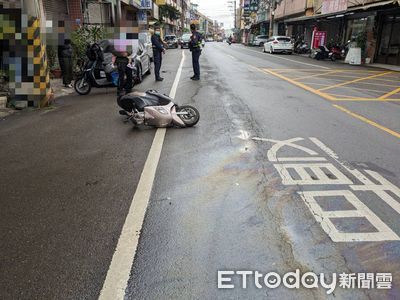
x: 158, y: 50
x: 65, y: 60
x: 195, y: 48
x: 125, y: 78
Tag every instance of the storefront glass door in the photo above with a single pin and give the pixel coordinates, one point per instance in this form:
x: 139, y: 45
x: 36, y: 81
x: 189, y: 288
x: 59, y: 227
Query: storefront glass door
x: 389, y: 47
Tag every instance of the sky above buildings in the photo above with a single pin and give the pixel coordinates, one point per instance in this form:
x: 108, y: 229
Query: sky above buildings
x: 219, y: 10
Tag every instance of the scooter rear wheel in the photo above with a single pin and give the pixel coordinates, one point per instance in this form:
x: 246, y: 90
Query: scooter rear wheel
x: 192, y: 117
x: 84, y: 89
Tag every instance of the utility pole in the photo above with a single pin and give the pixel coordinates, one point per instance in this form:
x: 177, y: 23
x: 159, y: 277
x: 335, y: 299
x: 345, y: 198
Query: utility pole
x: 272, y: 6
x: 234, y: 14
x: 37, y: 54
x: 234, y: 11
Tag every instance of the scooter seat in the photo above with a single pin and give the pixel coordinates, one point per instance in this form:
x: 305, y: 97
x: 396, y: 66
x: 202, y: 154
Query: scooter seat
x: 140, y: 100
x: 143, y: 101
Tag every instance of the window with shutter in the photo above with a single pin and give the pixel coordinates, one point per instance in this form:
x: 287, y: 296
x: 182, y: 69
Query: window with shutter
x: 98, y: 13
x: 55, y: 9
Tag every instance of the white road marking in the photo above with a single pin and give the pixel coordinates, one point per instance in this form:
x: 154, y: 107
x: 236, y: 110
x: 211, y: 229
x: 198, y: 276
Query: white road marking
x: 231, y: 56
x: 357, y: 174
x: 320, y: 177
x: 310, y: 173
x: 271, y: 154
x: 118, y: 273
x: 383, y: 233
x: 381, y: 189
x: 284, y: 58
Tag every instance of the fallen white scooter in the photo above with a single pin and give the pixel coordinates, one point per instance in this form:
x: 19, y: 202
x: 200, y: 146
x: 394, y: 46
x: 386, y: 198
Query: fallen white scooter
x: 154, y: 109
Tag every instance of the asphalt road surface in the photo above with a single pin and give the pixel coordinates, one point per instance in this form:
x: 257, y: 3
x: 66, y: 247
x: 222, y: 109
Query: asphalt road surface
x: 294, y: 165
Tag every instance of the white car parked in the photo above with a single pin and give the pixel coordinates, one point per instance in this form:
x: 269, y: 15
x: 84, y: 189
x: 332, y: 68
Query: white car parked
x: 260, y: 40
x: 279, y: 44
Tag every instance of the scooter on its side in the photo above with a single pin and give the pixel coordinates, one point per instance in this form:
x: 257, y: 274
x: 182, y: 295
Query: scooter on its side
x: 155, y: 109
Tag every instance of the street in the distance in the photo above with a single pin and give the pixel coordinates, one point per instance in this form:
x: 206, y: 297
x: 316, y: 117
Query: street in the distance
x: 287, y: 187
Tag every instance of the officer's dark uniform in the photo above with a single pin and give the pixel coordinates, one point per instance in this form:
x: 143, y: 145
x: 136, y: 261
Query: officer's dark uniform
x: 195, y: 48
x: 158, y: 48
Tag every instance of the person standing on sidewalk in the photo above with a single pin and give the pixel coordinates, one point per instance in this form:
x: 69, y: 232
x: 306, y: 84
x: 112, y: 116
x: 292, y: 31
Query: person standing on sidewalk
x: 65, y: 60
x: 195, y: 48
x: 158, y: 51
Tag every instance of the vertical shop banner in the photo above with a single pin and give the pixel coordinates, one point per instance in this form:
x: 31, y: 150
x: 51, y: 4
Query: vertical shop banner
x: 319, y: 39
x: 253, y: 5
x: 246, y: 6
x: 332, y: 6
x: 142, y: 17
x: 146, y: 4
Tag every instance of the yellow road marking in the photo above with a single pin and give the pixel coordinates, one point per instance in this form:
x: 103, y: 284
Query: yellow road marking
x: 389, y: 80
x: 367, y: 99
x: 347, y: 87
x: 349, y: 76
x: 389, y: 94
x: 330, y: 96
x: 342, y: 96
x: 318, y: 70
x: 370, y: 122
x: 355, y: 80
x: 369, y: 83
x: 303, y: 86
x: 315, y: 75
x: 379, y: 84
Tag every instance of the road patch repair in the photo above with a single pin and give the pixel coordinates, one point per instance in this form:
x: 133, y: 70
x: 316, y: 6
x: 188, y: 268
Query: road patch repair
x: 344, y: 84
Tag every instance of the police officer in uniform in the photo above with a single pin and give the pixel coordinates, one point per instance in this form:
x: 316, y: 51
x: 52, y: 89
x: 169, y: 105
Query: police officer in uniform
x: 195, y: 48
x: 158, y: 50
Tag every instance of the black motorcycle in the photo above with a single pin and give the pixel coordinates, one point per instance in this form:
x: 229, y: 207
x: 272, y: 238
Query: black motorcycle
x: 322, y: 53
x: 99, y: 70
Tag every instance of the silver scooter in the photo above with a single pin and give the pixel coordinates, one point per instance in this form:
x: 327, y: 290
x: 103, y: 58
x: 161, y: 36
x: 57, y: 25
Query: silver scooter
x: 155, y: 109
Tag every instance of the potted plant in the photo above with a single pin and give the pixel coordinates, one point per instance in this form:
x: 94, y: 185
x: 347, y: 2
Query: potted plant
x: 52, y: 64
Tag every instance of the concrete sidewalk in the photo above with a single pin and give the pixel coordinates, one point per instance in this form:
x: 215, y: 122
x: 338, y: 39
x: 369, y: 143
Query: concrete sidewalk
x: 58, y: 90
x: 373, y: 65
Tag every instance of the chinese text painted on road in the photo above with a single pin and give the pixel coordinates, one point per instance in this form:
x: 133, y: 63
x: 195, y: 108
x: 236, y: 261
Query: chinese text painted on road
x: 315, y: 170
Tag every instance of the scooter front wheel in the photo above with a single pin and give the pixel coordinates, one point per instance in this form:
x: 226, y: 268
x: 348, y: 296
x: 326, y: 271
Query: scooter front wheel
x: 82, y: 86
x: 191, y: 116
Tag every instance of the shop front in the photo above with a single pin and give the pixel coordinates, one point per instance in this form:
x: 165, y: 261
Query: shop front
x: 388, y: 50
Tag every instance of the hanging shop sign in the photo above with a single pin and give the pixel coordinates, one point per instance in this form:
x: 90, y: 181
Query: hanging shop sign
x: 253, y: 5
x: 146, y: 4
x: 332, y: 6
x: 142, y: 17
x: 246, y: 5
x: 318, y: 38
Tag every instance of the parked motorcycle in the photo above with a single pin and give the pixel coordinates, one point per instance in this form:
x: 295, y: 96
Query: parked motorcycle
x: 336, y: 52
x: 302, y: 48
x: 99, y: 70
x: 154, y: 109
x: 321, y: 53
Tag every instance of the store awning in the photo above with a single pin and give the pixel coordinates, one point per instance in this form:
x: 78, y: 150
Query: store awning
x: 350, y: 10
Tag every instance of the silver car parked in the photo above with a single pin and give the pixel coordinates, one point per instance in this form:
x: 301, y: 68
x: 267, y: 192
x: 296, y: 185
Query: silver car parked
x: 260, y: 40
